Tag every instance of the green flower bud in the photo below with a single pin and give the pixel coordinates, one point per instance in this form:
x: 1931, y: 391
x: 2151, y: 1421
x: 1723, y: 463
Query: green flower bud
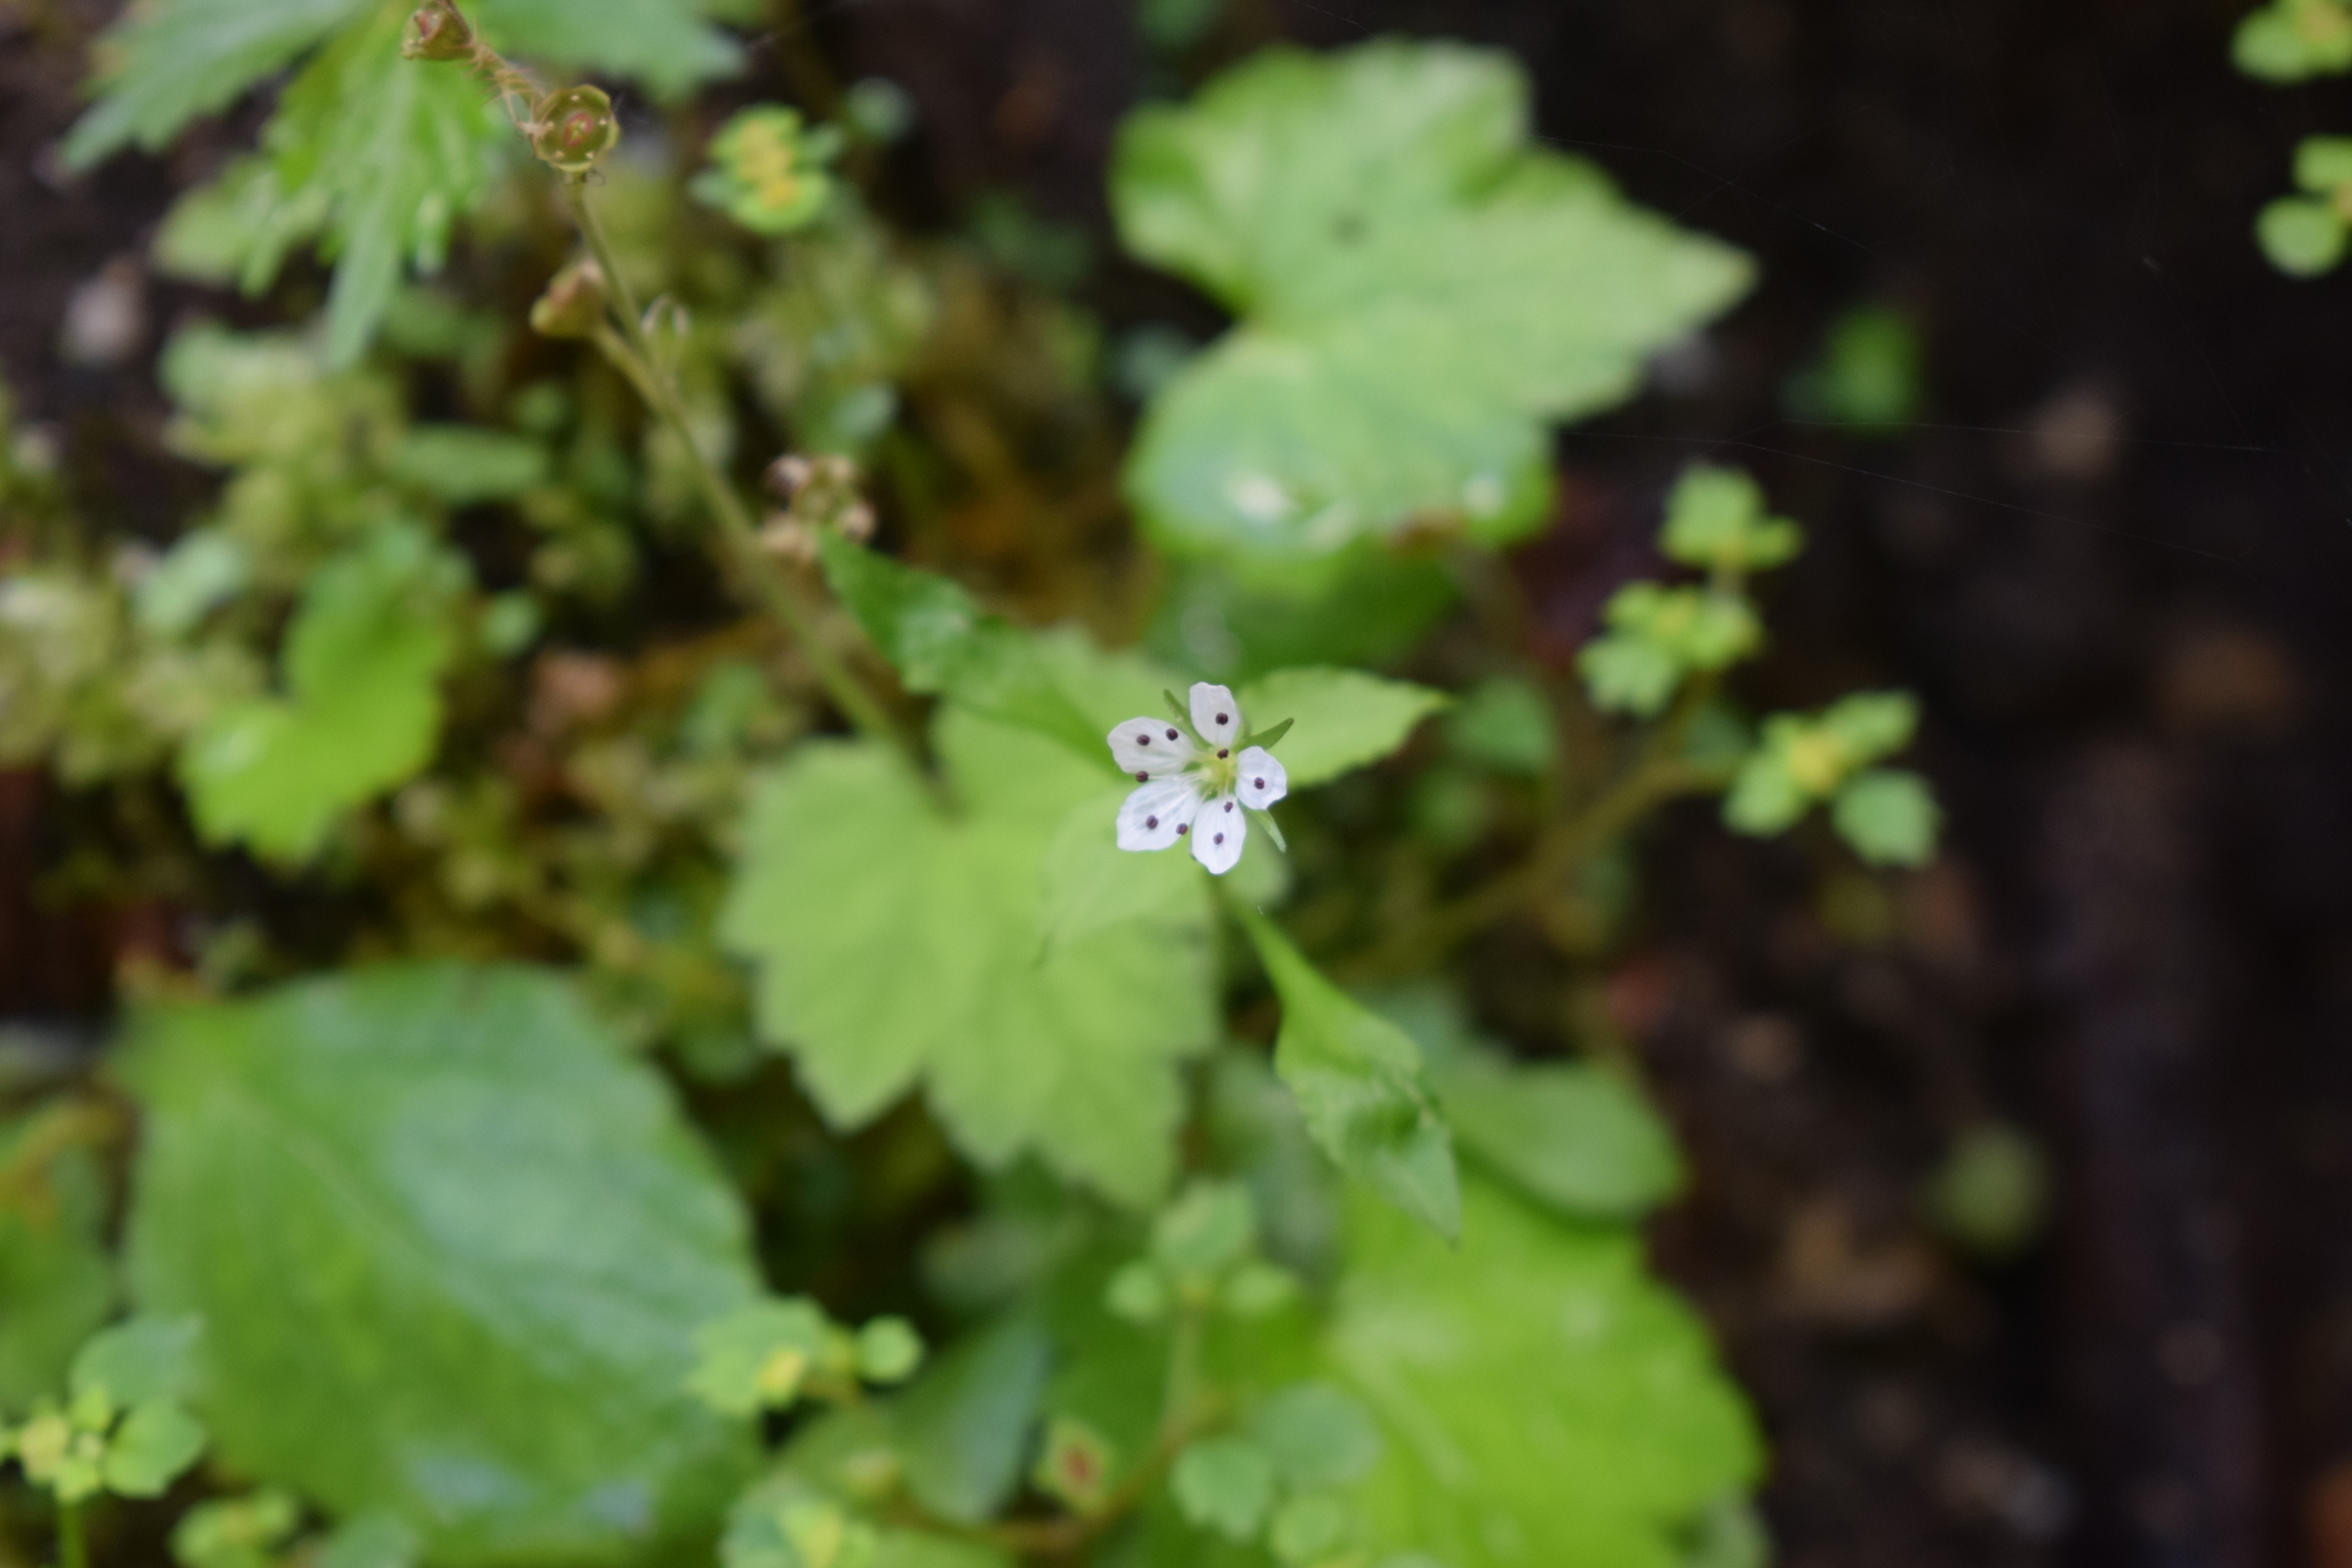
x: 574, y: 303
x: 575, y: 129
x: 437, y: 32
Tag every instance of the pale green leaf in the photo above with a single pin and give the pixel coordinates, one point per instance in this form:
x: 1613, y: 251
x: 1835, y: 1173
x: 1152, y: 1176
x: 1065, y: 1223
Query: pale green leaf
x: 1870, y: 725
x: 361, y: 713
x: 2291, y: 40
x: 463, y: 464
x: 1506, y: 725
x: 1715, y: 518
x: 1206, y: 1231
x: 734, y: 1357
x: 1341, y: 719
x: 400, y: 149
x: 164, y: 64
x: 139, y: 1362
x: 156, y: 1442
x: 1421, y: 293
x: 2324, y: 164
x: 663, y: 43
x: 1543, y: 1400
x: 204, y: 569
x: 1890, y: 817
x: 2303, y: 236
x: 1357, y: 1081
x: 1091, y: 884
x: 373, y: 1540
x: 889, y: 1350
x: 450, y: 1246
x: 816, y: 1477
x: 1225, y: 1485
x: 1316, y: 1436
x: 898, y: 946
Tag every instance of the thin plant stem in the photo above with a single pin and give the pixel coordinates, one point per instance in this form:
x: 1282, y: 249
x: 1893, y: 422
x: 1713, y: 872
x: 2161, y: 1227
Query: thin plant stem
x: 1658, y: 774
x: 629, y: 350
x: 73, y: 1546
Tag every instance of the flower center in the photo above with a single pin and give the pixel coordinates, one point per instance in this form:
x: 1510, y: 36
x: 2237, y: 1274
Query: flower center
x: 1218, y: 771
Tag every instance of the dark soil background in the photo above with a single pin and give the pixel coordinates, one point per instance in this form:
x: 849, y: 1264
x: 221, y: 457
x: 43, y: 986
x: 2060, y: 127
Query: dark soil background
x: 2116, y: 562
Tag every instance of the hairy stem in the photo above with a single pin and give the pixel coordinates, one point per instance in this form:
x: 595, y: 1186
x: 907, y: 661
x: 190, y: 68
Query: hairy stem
x: 629, y: 350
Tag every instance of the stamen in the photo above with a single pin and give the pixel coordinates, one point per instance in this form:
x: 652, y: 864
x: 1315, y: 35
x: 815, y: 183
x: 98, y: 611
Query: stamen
x: 1220, y: 838
x: 1224, y: 718
x: 1182, y: 828
x: 1142, y: 778
x: 1150, y: 822
x: 1171, y: 734
x: 1142, y: 740
x: 1228, y: 806
x: 1260, y: 783
x: 1221, y: 755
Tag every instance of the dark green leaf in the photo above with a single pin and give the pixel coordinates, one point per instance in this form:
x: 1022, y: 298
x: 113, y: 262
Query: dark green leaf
x: 450, y: 1246
x: 1576, y: 1138
x: 57, y: 1283
x: 963, y: 1425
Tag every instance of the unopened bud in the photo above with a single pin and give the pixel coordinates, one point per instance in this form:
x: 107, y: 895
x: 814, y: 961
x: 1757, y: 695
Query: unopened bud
x: 574, y: 303
x: 788, y: 473
x: 437, y: 31
x: 575, y: 129
x: 789, y: 539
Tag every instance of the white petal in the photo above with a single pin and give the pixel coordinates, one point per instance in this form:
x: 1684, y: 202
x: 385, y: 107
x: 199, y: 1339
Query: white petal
x: 1156, y: 814
x: 1152, y: 745
x: 1262, y: 781
x: 1216, y: 716
x: 1217, y: 833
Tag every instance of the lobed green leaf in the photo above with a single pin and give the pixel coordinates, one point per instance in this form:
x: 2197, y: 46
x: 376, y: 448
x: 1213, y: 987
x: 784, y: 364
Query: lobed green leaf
x: 1537, y: 1375
x: 1421, y: 293
x: 897, y: 946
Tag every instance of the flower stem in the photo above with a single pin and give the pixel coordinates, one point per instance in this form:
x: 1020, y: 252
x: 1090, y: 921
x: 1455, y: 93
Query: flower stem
x: 632, y: 354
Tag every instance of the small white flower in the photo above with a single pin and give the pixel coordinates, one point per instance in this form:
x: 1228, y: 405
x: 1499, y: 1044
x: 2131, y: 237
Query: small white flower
x: 1190, y: 780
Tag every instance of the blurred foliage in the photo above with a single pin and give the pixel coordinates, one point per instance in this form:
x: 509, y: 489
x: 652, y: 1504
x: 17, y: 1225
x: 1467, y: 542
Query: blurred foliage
x: 661, y: 1052
x: 1869, y: 373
